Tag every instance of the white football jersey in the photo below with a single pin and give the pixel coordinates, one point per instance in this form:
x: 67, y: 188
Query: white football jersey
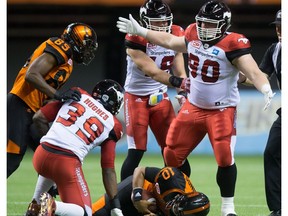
x: 137, y: 82
x: 80, y: 126
x: 213, y: 77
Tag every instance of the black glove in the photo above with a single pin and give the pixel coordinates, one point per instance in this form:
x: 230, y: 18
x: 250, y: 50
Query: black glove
x: 72, y: 94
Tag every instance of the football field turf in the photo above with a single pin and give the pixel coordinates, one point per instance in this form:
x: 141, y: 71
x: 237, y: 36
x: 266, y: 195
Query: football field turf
x: 249, y: 195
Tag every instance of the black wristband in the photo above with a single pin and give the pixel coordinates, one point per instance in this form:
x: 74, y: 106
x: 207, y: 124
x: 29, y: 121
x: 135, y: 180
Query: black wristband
x: 183, y: 93
x: 115, y: 203
x: 137, y: 194
x: 175, y: 81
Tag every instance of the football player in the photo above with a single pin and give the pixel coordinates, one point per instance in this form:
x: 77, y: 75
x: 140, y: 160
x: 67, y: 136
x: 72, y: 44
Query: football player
x: 77, y: 128
x: 40, y: 79
x: 172, y: 189
x: 215, y: 59
x: 147, y: 103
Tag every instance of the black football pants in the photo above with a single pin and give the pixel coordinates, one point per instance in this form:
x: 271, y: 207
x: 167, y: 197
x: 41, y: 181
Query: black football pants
x: 272, y: 166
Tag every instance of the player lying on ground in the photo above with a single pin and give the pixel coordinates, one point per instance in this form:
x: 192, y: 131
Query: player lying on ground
x: 172, y: 189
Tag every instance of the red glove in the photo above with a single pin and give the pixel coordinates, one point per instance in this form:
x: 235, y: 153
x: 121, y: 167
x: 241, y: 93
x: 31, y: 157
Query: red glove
x: 185, y: 85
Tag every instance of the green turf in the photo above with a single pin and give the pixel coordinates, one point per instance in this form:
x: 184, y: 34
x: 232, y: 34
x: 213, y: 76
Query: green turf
x: 249, y: 197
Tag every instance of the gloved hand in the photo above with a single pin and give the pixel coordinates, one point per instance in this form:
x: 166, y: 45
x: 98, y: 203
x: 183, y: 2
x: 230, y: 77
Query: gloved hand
x: 181, y: 97
x: 116, y: 212
x: 268, y: 95
x: 72, y: 94
x: 185, y: 85
x: 131, y: 26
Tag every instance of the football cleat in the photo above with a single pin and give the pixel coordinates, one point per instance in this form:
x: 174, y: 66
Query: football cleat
x: 33, y: 209
x: 48, y: 205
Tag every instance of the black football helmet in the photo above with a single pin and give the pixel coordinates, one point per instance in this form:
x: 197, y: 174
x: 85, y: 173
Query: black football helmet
x: 110, y: 94
x: 195, y: 204
x: 83, y: 41
x: 213, y: 12
x: 156, y: 11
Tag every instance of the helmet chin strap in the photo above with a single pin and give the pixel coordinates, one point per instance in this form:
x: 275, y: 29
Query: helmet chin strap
x: 207, y: 44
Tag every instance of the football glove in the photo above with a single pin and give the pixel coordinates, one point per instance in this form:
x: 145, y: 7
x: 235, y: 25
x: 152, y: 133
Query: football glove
x: 116, y: 212
x: 72, y: 94
x: 131, y: 26
x: 181, y: 97
x: 179, y: 82
x: 185, y: 85
x: 268, y: 95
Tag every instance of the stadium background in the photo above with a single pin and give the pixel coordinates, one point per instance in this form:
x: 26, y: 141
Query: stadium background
x: 29, y: 22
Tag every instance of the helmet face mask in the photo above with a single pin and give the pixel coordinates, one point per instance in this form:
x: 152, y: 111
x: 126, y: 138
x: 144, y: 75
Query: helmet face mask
x: 213, y: 20
x: 156, y: 15
x: 110, y: 94
x: 83, y: 41
x: 195, y: 204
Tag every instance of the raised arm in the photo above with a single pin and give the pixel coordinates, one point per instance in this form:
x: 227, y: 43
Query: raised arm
x: 163, y: 39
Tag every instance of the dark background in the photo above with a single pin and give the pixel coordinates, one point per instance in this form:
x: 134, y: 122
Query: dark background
x: 30, y: 24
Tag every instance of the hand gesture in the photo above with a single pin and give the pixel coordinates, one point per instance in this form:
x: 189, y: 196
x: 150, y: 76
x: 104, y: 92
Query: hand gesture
x: 131, y: 26
x: 268, y: 95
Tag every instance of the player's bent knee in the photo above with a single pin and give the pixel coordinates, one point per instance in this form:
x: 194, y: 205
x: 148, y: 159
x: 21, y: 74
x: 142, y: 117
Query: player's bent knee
x: 170, y: 157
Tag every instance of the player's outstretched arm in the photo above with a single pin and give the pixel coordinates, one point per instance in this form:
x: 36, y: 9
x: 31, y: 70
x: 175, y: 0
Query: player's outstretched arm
x: 164, y: 39
x: 131, y: 26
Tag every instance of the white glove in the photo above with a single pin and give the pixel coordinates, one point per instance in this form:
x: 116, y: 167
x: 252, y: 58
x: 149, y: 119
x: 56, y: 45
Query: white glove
x: 131, y: 26
x: 268, y: 95
x: 116, y: 212
x: 181, y: 99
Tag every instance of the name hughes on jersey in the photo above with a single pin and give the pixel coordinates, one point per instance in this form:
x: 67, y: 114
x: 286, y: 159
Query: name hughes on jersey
x: 96, y: 109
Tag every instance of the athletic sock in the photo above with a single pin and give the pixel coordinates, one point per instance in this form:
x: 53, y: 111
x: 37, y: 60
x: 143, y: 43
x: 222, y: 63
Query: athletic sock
x: 65, y: 209
x: 43, y: 184
x: 227, y: 206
